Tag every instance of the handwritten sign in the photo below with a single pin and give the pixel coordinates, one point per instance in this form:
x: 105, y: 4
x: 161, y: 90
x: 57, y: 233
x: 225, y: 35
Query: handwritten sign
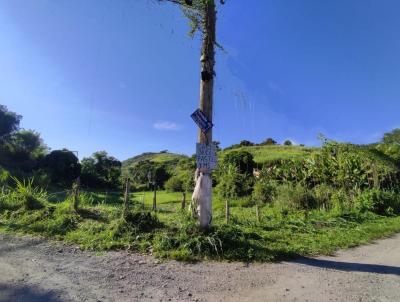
x: 206, y: 156
x: 201, y: 120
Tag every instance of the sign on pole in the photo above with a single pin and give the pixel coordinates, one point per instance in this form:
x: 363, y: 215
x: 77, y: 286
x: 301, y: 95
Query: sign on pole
x: 206, y: 156
x: 201, y: 120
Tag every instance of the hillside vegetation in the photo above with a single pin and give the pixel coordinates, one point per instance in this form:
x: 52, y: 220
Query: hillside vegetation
x: 299, y: 201
x: 157, y: 157
x: 266, y: 153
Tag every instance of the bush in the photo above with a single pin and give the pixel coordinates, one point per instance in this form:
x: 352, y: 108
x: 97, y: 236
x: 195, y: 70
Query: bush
x: 323, y: 195
x: 379, y: 201
x: 294, y: 197
x: 232, y: 184
x: 242, y: 160
x: 264, y: 191
x: 135, y: 222
x: 29, y: 196
x: 174, y: 184
x: 341, y: 202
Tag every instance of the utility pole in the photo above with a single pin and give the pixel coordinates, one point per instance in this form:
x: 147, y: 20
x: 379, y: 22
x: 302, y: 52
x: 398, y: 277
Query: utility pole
x: 207, y: 61
x: 203, y: 16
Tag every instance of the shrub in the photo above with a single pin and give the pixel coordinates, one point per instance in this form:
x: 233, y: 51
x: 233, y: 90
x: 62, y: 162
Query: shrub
x: 294, y: 197
x: 134, y: 223
x: 29, y: 196
x: 341, y: 201
x: 264, y: 191
x: 174, y: 184
x: 242, y: 160
x: 269, y: 141
x: 379, y: 201
x: 323, y: 195
x: 232, y: 184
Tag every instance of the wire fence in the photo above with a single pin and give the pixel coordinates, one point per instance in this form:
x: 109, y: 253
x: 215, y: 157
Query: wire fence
x: 166, y: 202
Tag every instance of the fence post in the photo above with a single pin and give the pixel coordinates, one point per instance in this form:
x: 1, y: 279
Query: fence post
x: 257, y: 213
x: 75, y: 192
x: 183, y: 200
x: 227, y: 211
x: 126, y: 199
x: 155, y: 198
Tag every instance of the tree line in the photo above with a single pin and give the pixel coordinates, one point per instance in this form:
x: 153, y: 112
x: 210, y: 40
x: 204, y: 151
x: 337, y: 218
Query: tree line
x: 24, y: 154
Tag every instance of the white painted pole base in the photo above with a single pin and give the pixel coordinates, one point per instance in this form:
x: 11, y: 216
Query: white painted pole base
x: 201, y: 200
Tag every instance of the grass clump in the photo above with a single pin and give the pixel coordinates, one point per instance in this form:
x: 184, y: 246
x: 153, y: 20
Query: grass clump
x: 189, y: 243
x: 135, y: 222
x: 25, y: 195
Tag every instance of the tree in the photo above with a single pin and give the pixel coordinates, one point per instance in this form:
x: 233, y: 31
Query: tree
x: 63, y: 166
x: 217, y: 145
x: 269, y: 141
x: 9, y: 122
x: 174, y: 184
x: 392, y: 137
x: 144, y: 169
x: 242, y: 160
x: 246, y: 143
x: 101, y: 170
x: 202, y: 16
x: 27, y: 143
x: 288, y: 143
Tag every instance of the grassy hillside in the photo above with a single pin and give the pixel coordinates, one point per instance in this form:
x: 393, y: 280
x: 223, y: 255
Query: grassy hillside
x: 267, y: 153
x: 158, y: 157
x: 261, y: 154
x: 170, y: 159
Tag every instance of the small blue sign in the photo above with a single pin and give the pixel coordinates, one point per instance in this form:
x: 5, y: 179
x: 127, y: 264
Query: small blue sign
x: 201, y: 120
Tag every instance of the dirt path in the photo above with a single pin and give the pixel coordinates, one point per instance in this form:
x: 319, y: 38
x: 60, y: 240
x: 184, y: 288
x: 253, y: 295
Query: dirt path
x: 39, y: 270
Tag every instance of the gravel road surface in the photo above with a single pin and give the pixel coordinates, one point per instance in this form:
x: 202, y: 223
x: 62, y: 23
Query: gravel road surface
x: 33, y: 269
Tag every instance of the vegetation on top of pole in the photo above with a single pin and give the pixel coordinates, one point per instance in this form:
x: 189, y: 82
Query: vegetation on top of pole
x: 194, y: 10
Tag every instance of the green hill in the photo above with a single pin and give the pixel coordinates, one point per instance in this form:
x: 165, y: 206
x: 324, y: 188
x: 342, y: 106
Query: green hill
x: 268, y: 153
x: 170, y: 159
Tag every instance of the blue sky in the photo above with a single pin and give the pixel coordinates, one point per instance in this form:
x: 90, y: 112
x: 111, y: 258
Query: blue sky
x: 123, y: 76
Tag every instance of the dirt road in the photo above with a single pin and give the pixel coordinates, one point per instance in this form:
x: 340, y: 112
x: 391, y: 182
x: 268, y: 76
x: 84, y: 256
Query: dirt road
x: 39, y: 270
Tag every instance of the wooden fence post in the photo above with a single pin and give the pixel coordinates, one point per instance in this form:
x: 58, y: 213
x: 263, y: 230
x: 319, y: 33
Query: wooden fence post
x: 126, y: 199
x: 155, y: 197
x: 258, y: 213
x: 227, y: 211
x: 183, y: 200
x: 75, y: 193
